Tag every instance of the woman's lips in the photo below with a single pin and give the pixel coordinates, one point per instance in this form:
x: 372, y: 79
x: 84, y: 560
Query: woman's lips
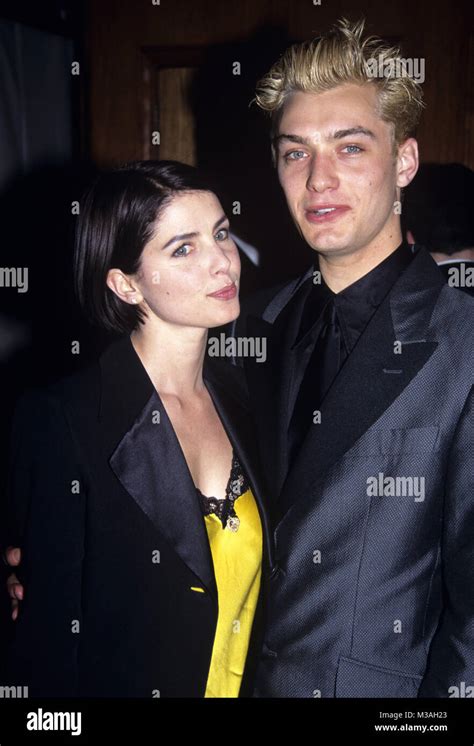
x: 329, y: 213
x: 226, y: 293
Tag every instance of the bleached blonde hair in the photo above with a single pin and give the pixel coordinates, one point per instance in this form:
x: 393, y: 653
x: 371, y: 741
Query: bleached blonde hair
x: 344, y: 56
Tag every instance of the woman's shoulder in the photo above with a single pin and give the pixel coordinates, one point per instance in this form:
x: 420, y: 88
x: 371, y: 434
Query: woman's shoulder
x: 81, y: 385
x: 78, y: 390
x: 229, y: 377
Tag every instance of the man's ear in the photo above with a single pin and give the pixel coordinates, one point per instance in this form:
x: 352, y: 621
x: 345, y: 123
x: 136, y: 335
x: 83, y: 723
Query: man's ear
x: 123, y: 286
x: 407, y: 162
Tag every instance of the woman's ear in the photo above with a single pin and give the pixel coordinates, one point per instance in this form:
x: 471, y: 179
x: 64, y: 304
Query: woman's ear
x: 123, y: 286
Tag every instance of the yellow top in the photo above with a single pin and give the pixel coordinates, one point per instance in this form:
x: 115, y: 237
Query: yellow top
x: 237, y: 558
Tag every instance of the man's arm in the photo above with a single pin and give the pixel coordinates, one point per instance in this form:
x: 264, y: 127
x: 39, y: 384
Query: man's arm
x: 451, y: 658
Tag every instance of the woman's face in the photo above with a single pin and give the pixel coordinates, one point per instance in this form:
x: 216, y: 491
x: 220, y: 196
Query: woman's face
x: 190, y: 268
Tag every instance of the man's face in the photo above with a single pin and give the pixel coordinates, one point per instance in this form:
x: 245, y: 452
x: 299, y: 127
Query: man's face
x: 337, y: 167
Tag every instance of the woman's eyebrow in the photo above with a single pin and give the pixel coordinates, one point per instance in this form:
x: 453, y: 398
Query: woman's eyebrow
x: 180, y: 237
x: 187, y: 236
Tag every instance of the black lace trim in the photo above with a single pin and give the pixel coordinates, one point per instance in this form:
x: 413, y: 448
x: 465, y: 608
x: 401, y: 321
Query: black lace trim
x: 224, y: 508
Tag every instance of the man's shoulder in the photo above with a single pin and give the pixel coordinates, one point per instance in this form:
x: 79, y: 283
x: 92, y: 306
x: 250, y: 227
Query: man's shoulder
x: 459, y: 304
x: 452, y: 326
x: 268, y: 303
x: 255, y: 304
x: 459, y: 273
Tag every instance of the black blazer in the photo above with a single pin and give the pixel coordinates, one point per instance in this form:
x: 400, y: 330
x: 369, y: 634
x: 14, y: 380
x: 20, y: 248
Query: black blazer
x: 113, y: 539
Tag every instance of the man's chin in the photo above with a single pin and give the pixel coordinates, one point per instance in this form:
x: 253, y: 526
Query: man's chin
x: 328, y: 247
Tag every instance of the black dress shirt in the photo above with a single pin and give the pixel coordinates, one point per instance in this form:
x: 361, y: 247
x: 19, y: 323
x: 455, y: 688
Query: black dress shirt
x: 331, y: 324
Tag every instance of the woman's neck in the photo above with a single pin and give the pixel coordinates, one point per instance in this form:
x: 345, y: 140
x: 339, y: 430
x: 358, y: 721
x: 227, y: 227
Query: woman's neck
x: 173, y: 357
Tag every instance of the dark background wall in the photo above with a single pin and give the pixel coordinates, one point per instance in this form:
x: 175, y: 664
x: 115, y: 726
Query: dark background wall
x: 186, y: 50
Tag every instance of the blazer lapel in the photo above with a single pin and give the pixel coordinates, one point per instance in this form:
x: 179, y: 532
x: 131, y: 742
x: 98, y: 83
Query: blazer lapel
x: 238, y: 423
x: 265, y: 387
x: 373, y: 376
x: 272, y: 384
x: 148, y: 460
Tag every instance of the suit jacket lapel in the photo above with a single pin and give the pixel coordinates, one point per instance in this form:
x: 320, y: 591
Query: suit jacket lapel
x: 265, y: 387
x: 373, y: 376
x: 272, y: 385
x: 238, y: 423
x: 147, y: 458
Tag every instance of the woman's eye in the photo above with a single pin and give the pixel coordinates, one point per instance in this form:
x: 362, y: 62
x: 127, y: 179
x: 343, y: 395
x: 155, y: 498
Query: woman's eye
x: 295, y: 155
x: 181, y: 250
x: 222, y: 235
x: 352, y: 149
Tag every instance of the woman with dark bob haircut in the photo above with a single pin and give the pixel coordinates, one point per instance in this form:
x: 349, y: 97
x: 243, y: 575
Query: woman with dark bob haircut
x: 145, y: 531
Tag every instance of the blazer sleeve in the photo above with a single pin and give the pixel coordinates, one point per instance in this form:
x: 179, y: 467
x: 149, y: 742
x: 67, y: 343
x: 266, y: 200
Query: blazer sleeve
x: 451, y: 657
x: 46, y: 496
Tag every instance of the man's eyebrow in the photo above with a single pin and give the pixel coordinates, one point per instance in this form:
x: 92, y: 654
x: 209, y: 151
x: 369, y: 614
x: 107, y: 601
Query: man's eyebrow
x: 292, y: 138
x: 337, y: 135
x: 187, y: 236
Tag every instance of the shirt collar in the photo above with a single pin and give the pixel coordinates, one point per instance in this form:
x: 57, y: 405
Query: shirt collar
x: 357, y: 302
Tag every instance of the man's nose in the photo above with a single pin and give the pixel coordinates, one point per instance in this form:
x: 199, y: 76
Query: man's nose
x: 322, y: 175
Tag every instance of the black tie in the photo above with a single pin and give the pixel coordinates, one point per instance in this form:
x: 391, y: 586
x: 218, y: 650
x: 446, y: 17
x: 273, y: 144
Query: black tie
x: 326, y: 359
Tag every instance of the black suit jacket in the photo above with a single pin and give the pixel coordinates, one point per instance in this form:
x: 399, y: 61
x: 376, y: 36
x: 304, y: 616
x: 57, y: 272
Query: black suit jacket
x: 113, y: 539
x: 372, y: 593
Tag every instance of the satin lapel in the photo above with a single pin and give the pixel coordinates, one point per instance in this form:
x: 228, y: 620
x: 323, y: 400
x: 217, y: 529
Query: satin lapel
x: 373, y: 376
x: 272, y: 385
x: 265, y: 384
x: 238, y: 423
x: 148, y: 460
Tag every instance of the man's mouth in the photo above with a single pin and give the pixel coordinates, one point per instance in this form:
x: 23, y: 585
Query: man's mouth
x: 325, y: 213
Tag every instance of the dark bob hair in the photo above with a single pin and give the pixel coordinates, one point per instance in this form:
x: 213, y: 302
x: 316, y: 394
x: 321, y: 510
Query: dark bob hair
x: 118, y: 217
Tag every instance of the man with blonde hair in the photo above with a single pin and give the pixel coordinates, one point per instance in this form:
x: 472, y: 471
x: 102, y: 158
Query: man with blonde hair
x: 365, y: 402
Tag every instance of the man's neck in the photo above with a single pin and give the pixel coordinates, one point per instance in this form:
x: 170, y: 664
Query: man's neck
x: 340, y: 271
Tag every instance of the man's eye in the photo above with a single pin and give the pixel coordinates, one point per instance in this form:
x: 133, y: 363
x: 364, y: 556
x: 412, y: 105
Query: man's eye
x: 352, y: 149
x: 295, y: 155
x: 181, y: 250
x: 222, y: 234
